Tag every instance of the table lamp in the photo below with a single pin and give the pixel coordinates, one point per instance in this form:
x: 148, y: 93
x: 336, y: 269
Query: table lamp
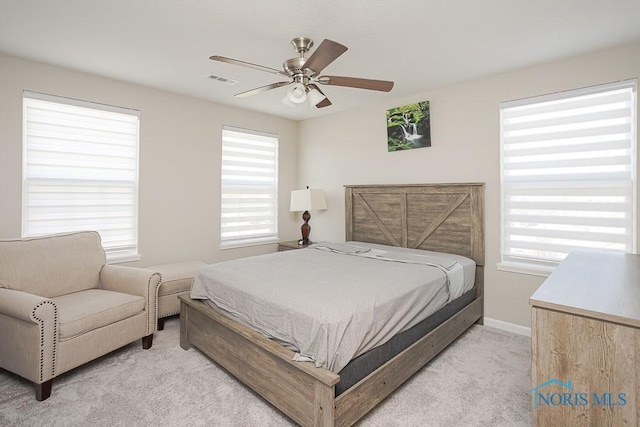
x: 306, y: 200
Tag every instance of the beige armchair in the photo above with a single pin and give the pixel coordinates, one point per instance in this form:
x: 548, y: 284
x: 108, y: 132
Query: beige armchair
x: 61, y: 305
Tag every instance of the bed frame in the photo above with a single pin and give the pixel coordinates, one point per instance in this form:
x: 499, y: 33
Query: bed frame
x: 442, y: 217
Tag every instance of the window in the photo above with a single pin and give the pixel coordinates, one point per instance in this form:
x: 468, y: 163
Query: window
x: 249, y: 193
x: 80, y: 171
x: 568, y: 175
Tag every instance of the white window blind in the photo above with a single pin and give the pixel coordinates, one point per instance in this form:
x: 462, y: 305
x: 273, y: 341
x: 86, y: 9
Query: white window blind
x: 80, y: 171
x: 568, y: 174
x: 249, y: 193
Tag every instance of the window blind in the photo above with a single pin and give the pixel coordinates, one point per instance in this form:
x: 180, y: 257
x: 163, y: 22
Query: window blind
x: 568, y: 174
x: 80, y: 171
x: 249, y: 192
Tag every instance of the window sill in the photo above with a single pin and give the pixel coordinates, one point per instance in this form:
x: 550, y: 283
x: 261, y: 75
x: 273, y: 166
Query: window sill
x: 117, y: 259
x: 248, y: 242
x: 530, y: 270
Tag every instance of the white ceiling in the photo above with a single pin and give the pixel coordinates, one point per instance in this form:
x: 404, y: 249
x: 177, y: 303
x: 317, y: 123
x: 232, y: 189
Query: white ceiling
x: 419, y: 44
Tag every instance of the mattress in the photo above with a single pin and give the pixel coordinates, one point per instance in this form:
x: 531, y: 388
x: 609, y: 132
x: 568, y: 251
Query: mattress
x: 363, y: 365
x: 331, y: 303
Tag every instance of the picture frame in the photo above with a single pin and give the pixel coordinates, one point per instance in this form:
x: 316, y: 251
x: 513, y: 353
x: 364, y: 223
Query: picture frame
x: 409, y: 127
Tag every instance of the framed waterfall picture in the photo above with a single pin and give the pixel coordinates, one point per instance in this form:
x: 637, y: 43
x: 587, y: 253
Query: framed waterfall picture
x: 408, y: 127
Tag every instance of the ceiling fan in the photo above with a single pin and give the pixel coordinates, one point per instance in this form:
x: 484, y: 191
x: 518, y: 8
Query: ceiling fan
x: 303, y: 74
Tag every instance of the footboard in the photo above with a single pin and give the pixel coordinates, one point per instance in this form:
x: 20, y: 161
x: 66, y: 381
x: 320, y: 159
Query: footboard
x: 303, y: 392
x: 299, y: 389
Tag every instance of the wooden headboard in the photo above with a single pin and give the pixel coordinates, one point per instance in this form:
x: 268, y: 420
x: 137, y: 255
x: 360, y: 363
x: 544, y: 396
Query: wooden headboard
x: 439, y: 217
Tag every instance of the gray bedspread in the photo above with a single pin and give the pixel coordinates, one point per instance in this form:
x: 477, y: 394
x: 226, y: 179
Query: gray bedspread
x: 332, y: 302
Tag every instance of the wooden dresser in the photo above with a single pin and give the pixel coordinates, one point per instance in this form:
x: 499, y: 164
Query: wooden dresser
x: 585, y: 342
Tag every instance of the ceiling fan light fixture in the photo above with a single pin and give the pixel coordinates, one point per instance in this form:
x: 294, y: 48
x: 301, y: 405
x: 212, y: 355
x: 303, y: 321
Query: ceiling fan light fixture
x: 297, y: 94
x: 315, y: 97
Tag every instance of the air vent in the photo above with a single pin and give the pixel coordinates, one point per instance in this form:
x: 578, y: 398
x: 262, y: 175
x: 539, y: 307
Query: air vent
x: 224, y: 80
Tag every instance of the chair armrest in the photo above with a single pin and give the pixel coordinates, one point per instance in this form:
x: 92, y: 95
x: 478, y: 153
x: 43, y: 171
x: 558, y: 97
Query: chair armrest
x: 29, y: 332
x: 24, y: 306
x: 134, y: 281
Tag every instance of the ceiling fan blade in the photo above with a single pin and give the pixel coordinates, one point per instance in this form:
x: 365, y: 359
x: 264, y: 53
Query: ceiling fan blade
x: 324, y: 55
x: 248, y: 65
x: 325, y: 102
x: 261, y: 89
x: 380, y: 85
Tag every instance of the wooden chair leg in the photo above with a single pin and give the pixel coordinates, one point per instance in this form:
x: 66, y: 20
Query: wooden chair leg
x: 161, y: 324
x: 147, y: 342
x: 43, y: 391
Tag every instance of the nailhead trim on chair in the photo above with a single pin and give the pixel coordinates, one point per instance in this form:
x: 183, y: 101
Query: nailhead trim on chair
x: 55, y: 334
x: 155, y: 302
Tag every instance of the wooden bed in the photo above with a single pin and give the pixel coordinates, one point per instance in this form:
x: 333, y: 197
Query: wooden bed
x: 441, y: 217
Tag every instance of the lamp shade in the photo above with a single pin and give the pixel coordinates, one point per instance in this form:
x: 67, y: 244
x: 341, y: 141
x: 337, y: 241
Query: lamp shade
x: 307, y: 200
x: 315, y: 97
x: 297, y: 94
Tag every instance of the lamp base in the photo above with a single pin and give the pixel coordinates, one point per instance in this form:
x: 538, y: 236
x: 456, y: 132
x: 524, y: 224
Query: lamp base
x: 306, y: 229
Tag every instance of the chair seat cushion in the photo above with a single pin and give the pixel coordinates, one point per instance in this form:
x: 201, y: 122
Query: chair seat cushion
x: 84, y: 311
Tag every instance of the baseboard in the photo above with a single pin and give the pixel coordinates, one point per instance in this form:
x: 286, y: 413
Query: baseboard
x: 506, y: 326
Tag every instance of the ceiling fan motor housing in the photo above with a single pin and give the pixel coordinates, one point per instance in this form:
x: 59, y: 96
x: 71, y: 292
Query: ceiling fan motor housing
x: 294, y: 66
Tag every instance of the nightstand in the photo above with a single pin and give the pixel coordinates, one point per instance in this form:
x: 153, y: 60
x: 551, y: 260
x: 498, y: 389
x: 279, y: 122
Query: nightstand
x: 289, y: 246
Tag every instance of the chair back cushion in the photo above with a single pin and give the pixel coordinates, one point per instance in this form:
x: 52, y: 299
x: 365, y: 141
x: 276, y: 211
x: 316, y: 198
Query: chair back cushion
x: 52, y: 265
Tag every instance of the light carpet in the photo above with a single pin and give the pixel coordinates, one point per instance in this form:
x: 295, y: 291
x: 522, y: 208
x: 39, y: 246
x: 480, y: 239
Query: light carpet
x: 482, y: 379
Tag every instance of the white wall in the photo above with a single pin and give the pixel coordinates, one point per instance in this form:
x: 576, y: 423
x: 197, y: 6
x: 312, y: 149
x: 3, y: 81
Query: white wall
x: 180, y: 137
x: 350, y: 148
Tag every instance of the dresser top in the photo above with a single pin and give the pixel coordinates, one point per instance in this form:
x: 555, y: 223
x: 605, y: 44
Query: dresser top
x: 597, y: 284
